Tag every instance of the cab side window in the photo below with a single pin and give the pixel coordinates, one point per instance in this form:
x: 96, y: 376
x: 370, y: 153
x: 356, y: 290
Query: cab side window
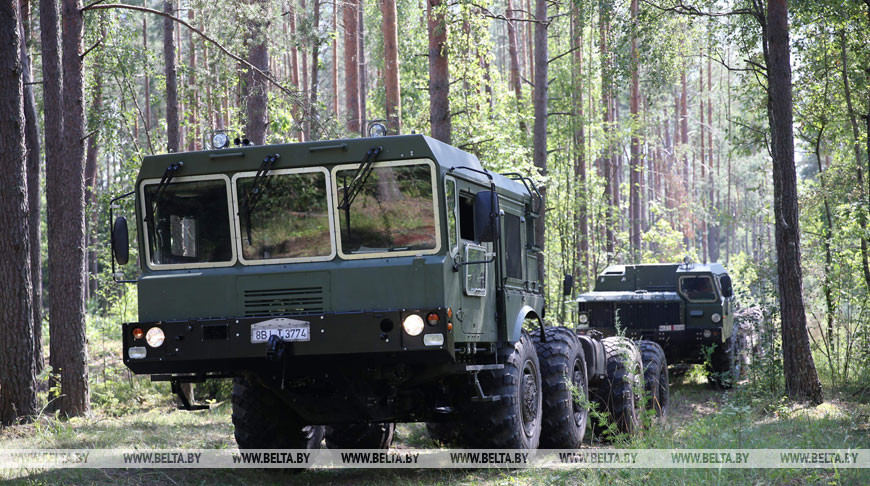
x: 698, y: 289
x: 466, y: 217
x: 513, y: 246
x: 450, y: 195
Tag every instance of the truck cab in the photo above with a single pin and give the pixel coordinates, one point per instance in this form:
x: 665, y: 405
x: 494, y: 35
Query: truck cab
x: 352, y: 277
x: 683, y: 307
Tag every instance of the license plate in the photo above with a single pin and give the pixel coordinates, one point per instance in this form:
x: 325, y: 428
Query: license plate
x: 285, y: 329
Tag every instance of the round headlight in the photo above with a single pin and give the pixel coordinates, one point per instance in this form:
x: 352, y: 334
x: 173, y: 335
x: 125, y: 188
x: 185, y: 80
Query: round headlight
x: 716, y: 317
x: 584, y: 318
x: 413, y: 325
x: 707, y: 333
x: 220, y: 140
x: 154, y: 337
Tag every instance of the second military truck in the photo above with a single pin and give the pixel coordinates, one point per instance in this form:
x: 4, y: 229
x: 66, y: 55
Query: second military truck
x: 687, y: 308
x: 347, y: 285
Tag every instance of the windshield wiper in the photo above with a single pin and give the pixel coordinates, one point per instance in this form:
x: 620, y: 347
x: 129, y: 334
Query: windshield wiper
x: 352, y: 190
x: 252, y: 197
x: 168, y: 175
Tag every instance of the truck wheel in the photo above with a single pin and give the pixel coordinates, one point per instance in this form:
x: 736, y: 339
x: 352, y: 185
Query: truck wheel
x: 624, y: 381
x: 444, y: 433
x: 360, y: 436
x: 655, y: 377
x: 565, y: 393
x: 263, y: 421
x: 723, y: 370
x: 513, y: 421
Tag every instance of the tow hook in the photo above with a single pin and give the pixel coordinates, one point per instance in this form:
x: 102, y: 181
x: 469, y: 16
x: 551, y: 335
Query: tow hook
x: 274, y: 348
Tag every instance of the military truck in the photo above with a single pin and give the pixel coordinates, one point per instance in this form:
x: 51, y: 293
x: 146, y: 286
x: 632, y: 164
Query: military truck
x: 347, y: 285
x: 687, y: 308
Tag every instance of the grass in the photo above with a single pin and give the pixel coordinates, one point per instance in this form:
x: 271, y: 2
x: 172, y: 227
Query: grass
x: 700, y: 418
x: 131, y: 412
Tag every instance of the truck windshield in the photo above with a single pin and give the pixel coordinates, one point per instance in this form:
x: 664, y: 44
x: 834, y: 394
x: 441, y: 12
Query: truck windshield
x: 291, y: 218
x: 189, y: 223
x: 393, y: 212
x: 698, y: 289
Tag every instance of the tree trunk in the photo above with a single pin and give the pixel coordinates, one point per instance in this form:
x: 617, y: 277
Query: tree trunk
x: 65, y: 188
x: 702, y: 137
x: 194, y: 137
x: 684, y: 161
x: 351, y: 66
x: 515, y: 80
x: 334, y: 58
x: 391, y: 67
x: 93, y: 150
x: 315, y: 72
x: 713, y: 224
x: 581, y: 225
x: 146, y: 80
x: 606, y: 160
x: 17, y: 373
x: 170, y: 69
x: 801, y: 379
x: 256, y: 89
x: 634, y: 164
x: 539, y: 149
x: 363, y: 79
x: 859, y: 171
x: 294, y: 70
x: 439, y: 78
x: 31, y: 141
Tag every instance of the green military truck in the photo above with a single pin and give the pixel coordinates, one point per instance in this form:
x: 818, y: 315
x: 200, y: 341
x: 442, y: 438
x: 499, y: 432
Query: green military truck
x: 347, y: 285
x: 687, y: 308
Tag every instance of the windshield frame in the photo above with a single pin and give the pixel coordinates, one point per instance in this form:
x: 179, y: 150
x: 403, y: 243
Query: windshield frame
x: 237, y: 224
x: 716, y: 291
x: 146, y: 231
x: 436, y: 196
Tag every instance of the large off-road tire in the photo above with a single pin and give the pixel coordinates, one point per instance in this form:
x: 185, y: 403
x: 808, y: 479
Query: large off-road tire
x: 655, y: 377
x: 624, y: 380
x: 263, y: 421
x: 723, y: 369
x: 360, y: 436
x: 513, y: 421
x: 444, y: 433
x: 565, y: 393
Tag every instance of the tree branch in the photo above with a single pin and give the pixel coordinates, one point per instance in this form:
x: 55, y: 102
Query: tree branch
x: 292, y: 95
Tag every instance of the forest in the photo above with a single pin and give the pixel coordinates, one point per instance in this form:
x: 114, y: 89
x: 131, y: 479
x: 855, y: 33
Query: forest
x: 731, y: 131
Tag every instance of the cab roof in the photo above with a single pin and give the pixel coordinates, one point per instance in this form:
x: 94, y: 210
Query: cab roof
x: 329, y: 153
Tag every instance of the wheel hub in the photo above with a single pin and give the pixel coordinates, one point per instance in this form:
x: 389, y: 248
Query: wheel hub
x: 529, y: 398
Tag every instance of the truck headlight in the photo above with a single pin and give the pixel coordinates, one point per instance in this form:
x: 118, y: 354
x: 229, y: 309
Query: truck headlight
x: 584, y: 318
x: 155, y: 337
x: 413, y: 325
x: 716, y: 317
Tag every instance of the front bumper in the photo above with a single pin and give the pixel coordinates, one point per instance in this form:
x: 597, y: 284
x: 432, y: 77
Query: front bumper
x: 682, y: 344
x: 223, y: 345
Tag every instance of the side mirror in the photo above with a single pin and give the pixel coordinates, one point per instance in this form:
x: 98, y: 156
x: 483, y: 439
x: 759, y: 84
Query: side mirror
x: 727, y: 289
x: 486, y: 216
x: 567, y: 285
x: 121, y: 241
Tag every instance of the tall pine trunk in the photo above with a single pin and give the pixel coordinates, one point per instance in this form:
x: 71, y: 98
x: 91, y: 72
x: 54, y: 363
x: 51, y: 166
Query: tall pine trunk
x: 539, y: 149
x: 255, y: 83
x: 34, y: 201
x: 439, y: 79
x: 634, y: 164
x: 65, y: 194
x: 170, y: 70
x: 801, y: 379
x: 351, y: 66
x: 391, y: 67
x: 17, y: 374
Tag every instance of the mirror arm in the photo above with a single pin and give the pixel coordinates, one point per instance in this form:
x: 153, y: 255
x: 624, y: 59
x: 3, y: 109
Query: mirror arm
x: 456, y: 264
x: 112, y: 206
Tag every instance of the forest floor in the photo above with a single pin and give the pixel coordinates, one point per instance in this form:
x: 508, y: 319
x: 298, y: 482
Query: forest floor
x: 699, y: 418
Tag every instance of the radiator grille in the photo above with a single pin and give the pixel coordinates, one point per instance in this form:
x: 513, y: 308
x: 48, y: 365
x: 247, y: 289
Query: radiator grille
x: 282, y: 302
x: 632, y: 315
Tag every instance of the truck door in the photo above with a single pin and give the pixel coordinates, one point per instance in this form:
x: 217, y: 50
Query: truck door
x: 476, y: 291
